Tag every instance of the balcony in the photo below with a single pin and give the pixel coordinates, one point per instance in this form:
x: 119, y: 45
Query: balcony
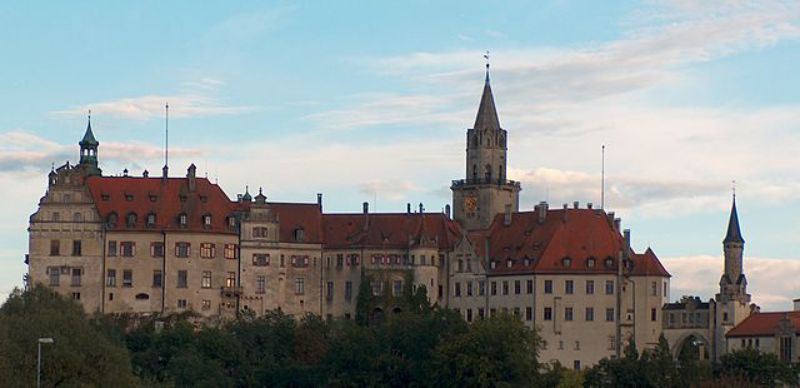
x: 485, y: 181
x: 231, y: 292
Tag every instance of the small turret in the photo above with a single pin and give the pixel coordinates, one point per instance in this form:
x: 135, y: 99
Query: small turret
x: 89, y: 146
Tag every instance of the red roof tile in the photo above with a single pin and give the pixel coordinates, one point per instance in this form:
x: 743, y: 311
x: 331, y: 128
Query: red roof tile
x: 292, y: 216
x: 167, y: 199
x: 647, y: 264
x: 389, y: 230
x: 764, y: 324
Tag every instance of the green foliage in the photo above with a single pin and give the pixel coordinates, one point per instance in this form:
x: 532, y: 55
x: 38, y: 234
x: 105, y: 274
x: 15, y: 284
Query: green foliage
x: 84, y: 354
x: 763, y: 369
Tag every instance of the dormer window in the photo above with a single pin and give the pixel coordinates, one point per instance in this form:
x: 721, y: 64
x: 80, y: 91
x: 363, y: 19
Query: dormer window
x: 203, y: 199
x: 493, y: 264
x: 231, y: 222
x: 129, y: 197
x: 153, y: 197
x: 112, y: 219
x: 609, y: 262
x: 151, y: 220
x: 131, y: 220
x: 566, y: 262
x: 183, y: 198
x: 509, y: 263
x: 299, y: 234
x: 207, y: 221
x: 527, y: 262
x: 590, y: 262
x: 182, y: 220
x: 105, y: 197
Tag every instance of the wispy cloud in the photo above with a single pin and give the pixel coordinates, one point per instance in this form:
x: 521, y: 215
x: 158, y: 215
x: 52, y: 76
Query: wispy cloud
x: 152, y: 106
x: 771, y: 281
x: 495, y: 34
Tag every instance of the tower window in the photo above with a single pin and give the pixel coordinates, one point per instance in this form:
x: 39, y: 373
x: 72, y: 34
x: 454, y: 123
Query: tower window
x: 488, y: 173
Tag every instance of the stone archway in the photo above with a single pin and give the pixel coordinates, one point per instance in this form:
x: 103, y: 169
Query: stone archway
x: 692, y: 346
x: 397, y: 310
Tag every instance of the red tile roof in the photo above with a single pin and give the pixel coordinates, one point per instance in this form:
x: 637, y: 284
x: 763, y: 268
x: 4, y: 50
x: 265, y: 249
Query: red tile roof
x: 647, y: 264
x: 292, y: 216
x: 764, y: 324
x: 389, y: 230
x: 167, y: 199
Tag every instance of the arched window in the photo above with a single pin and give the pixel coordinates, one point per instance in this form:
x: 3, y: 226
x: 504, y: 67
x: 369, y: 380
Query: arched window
x: 130, y: 220
x: 474, y: 172
x: 112, y: 219
x: 488, y: 173
x: 151, y: 220
x: 206, y: 220
x: 475, y: 141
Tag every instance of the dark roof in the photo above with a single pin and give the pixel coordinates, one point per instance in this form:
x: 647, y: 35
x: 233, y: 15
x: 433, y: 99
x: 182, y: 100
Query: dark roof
x: 88, y: 137
x: 389, y: 230
x: 487, y: 113
x: 734, y: 235
x: 764, y: 324
x: 166, y: 198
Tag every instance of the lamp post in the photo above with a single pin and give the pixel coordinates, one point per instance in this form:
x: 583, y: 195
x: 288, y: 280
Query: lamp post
x: 47, y: 340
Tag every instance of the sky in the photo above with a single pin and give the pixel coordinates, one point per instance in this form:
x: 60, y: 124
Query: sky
x: 370, y: 101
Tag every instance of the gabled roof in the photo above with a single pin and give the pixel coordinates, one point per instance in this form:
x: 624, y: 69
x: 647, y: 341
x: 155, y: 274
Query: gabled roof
x: 647, y: 264
x: 292, y: 216
x: 166, y: 198
x: 389, y: 230
x: 88, y: 137
x: 765, y: 324
x: 487, y: 112
x: 734, y: 235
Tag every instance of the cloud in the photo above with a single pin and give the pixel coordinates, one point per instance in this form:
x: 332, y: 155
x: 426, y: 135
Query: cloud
x: 205, y: 84
x: 495, y: 34
x: 152, y: 107
x: 771, y: 281
x: 383, y: 189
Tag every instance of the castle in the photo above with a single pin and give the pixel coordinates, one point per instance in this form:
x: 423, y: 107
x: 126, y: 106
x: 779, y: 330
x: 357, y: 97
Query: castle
x: 161, y: 244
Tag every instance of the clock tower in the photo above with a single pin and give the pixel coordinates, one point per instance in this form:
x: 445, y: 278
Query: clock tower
x: 485, y: 191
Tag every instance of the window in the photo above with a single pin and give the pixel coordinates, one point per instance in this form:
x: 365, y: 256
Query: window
x: 458, y: 289
x: 481, y: 288
x: 725, y: 316
x: 577, y: 363
x: 182, y: 303
x: 653, y: 314
x: 127, y: 249
x: 589, y: 287
x: 654, y: 289
x: 548, y: 313
x: 494, y: 288
x: 112, y: 248
x: 517, y: 287
x: 299, y: 286
x: 566, y: 262
x: 609, y: 262
x: 568, y: 313
x: 183, y: 279
x: 589, y: 314
x: 548, y: 286
x: 111, y: 278
x: 260, y: 259
x: 261, y: 284
x: 230, y: 280
x: 529, y: 287
x: 76, y: 247
x: 398, y: 287
x: 157, y: 249
x: 329, y: 291
x: 206, y: 304
x: 76, y: 277
x: 348, y: 291
x: 569, y: 287
x: 206, y: 280
x: 260, y: 232
x: 56, y: 216
x: 528, y: 313
x: 110, y: 296
x: 54, y: 273
x: 150, y: 221
x: 230, y: 251
x: 76, y: 295
x: 469, y: 288
x: 55, y: 246
x: 208, y: 250
x: 377, y: 288
x: 612, y: 342
x: 77, y: 217
x: 505, y: 287
x: 609, y: 287
x: 610, y: 314
x: 481, y: 313
x: 590, y: 262
x: 299, y: 234
x: 182, y: 219
x: 206, y: 221
x: 157, y: 278
x: 300, y: 261
x: 131, y: 220
x: 183, y: 249
x: 127, y: 278
x: 112, y: 219
x: 339, y: 260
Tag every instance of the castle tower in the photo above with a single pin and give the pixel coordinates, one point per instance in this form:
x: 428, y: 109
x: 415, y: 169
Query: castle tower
x: 485, y: 191
x: 733, y: 284
x: 89, y: 145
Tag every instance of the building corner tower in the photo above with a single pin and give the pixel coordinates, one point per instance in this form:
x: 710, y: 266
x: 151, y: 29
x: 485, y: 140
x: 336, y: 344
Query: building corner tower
x: 485, y: 191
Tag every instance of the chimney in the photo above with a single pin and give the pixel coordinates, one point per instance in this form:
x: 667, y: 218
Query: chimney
x: 566, y: 206
x: 589, y: 205
x: 542, y: 211
x: 507, y: 216
x: 796, y: 305
x: 165, y: 172
x: 618, y: 224
x: 447, y: 210
x: 319, y: 201
x: 421, y: 208
x: 145, y: 173
x: 408, y: 207
x: 627, y: 236
x: 610, y: 216
x: 190, y: 176
x: 125, y: 172
x: 576, y: 205
x: 365, y: 207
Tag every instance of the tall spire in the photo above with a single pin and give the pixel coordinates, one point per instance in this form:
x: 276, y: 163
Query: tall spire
x: 487, y: 113
x: 88, y: 137
x: 734, y: 234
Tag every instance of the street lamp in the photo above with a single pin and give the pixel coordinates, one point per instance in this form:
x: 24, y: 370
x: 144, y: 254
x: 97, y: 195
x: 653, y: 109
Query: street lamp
x: 46, y: 340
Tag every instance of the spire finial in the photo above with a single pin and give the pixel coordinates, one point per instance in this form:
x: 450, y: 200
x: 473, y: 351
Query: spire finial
x: 733, y: 189
x: 260, y: 192
x: 486, y: 57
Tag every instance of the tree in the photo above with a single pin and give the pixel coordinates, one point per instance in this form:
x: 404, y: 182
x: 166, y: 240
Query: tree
x: 660, y: 367
x: 628, y: 371
x: 364, y: 301
x: 81, y: 355
x: 759, y: 368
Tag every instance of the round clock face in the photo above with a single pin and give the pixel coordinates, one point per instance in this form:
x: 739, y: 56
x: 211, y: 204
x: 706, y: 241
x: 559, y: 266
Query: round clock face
x: 470, y: 203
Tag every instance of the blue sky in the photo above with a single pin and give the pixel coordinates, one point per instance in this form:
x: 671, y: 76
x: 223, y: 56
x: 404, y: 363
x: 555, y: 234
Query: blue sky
x: 370, y: 101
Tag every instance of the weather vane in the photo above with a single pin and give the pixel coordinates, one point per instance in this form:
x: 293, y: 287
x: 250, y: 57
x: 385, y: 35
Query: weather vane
x: 486, y: 57
x: 733, y: 188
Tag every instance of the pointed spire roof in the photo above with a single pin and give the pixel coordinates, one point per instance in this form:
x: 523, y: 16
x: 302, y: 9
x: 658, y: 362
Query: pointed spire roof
x: 487, y: 113
x: 88, y: 137
x: 734, y: 234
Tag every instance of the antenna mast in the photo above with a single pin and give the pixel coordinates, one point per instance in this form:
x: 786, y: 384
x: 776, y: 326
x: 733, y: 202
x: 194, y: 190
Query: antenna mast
x: 603, y: 178
x: 166, y: 136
